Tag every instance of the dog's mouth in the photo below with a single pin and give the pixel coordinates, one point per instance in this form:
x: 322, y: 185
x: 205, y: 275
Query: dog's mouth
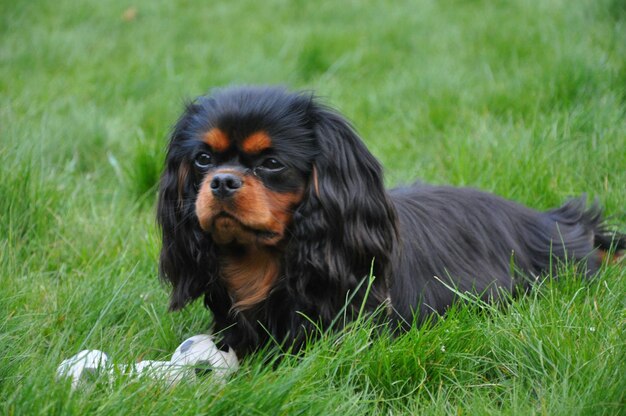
x: 226, y: 228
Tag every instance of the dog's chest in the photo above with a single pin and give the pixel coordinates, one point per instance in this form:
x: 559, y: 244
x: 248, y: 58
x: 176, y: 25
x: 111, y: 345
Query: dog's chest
x: 249, y: 276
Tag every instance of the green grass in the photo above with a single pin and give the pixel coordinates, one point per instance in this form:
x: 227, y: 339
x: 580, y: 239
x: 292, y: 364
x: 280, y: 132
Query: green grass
x: 524, y: 98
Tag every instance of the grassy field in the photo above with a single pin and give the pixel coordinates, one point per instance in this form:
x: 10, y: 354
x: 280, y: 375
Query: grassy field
x: 523, y: 98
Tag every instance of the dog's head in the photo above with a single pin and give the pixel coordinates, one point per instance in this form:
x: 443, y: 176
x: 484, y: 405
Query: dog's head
x: 260, y: 169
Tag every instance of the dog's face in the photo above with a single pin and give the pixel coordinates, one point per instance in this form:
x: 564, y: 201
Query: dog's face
x: 247, y: 188
x: 247, y: 159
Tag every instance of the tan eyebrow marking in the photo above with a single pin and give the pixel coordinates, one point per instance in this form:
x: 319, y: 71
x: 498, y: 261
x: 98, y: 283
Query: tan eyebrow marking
x: 217, y: 139
x: 256, y: 142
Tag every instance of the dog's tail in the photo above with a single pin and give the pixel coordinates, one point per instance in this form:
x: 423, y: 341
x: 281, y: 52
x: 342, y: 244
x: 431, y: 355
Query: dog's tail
x: 588, y: 220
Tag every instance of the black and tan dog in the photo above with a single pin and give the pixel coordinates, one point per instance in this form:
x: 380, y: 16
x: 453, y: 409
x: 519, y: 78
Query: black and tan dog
x: 274, y: 211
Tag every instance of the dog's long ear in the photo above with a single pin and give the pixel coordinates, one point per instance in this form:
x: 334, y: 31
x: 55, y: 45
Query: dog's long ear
x: 187, y: 256
x: 346, y: 220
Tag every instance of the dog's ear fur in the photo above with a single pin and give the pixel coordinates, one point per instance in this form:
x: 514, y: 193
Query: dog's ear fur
x: 345, y: 222
x: 187, y: 259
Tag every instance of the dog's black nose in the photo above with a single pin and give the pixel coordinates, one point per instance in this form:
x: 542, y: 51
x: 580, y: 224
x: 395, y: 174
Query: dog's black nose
x: 225, y: 185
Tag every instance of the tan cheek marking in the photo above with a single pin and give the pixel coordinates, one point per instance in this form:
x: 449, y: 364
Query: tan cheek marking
x: 282, y: 208
x: 262, y: 208
x: 251, y: 203
x: 217, y: 139
x: 256, y: 142
x: 205, y: 205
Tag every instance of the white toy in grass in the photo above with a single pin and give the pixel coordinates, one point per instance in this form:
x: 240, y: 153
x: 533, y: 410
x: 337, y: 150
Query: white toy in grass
x: 198, y: 353
x: 200, y: 350
x: 82, y: 365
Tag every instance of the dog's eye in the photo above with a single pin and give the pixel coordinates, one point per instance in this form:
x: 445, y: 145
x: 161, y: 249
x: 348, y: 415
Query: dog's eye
x: 272, y: 164
x: 203, y: 160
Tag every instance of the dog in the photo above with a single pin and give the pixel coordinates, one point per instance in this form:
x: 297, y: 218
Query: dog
x: 273, y: 210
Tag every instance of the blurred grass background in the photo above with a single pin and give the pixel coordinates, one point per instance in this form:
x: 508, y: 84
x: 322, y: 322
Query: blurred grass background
x: 523, y: 98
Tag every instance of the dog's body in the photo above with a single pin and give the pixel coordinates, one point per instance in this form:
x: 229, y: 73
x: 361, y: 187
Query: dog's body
x: 274, y: 211
x: 478, y: 235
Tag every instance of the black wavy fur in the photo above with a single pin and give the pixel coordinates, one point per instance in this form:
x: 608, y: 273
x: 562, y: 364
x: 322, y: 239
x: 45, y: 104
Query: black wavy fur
x: 416, y: 238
